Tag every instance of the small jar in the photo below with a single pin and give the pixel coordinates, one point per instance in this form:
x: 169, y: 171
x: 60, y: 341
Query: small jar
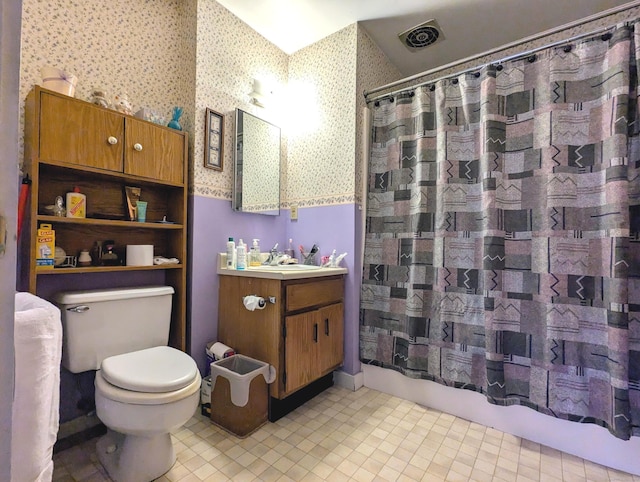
x: 85, y: 258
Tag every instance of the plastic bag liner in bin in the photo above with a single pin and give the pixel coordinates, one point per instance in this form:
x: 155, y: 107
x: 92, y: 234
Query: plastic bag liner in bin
x: 240, y: 370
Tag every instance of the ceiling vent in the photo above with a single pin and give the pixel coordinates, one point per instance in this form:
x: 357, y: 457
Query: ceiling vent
x: 421, y: 36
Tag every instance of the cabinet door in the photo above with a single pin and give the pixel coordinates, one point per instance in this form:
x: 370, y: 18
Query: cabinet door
x: 80, y: 133
x: 301, y: 350
x: 153, y: 152
x: 331, y: 337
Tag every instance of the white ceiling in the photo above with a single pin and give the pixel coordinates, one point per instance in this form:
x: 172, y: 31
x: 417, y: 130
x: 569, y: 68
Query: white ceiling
x: 469, y: 26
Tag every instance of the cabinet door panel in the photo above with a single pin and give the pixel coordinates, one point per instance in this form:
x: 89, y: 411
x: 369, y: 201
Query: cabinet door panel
x: 301, y: 350
x: 331, y: 338
x: 159, y: 154
x: 78, y: 133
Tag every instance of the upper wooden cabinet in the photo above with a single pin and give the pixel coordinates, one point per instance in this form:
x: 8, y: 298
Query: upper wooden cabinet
x: 76, y: 132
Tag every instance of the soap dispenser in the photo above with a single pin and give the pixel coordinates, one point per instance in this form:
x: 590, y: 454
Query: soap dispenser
x: 254, y: 257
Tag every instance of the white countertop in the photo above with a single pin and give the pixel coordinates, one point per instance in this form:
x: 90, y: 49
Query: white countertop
x: 277, y: 272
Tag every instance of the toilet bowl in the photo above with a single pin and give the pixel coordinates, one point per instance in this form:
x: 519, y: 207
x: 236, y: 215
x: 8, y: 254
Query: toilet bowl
x: 141, y: 397
x: 144, y: 388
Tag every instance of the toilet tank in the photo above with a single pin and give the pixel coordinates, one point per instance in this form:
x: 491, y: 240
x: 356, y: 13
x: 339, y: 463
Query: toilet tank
x: 97, y: 324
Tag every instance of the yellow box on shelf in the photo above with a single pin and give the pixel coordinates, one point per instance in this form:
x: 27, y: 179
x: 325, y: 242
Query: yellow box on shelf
x: 45, y: 246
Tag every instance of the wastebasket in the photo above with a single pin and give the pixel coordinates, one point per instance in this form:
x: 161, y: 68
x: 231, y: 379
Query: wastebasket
x: 239, y: 393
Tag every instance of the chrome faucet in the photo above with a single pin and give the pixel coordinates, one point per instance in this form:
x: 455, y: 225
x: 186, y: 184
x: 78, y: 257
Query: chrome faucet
x: 272, y: 260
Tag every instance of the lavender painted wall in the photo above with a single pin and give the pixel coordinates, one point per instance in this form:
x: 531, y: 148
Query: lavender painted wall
x: 213, y: 222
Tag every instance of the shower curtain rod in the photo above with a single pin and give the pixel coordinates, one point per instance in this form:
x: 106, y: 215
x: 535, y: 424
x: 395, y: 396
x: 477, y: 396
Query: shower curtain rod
x: 591, y: 18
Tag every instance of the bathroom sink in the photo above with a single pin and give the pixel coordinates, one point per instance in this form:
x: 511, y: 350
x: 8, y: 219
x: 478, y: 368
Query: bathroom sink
x: 287, y: 267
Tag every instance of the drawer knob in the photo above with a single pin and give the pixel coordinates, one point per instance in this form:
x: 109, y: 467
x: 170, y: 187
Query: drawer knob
x: 112, y: 140
x: 137, y: 146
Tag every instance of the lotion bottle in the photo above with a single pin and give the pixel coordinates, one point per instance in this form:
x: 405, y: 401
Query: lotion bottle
x: 231, y: 254
x: 241, y: 255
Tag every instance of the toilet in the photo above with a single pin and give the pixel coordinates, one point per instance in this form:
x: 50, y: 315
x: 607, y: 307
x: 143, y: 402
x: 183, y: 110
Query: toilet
x: 144, y: 389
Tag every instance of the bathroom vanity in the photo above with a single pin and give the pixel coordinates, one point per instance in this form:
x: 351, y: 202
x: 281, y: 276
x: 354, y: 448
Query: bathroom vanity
x: 300, y: 331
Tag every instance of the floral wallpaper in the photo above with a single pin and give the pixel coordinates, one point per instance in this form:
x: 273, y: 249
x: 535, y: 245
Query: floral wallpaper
x: 321, y: 167
x: 140, y: 48
x: 374, y: 69
x: 229, y: 56
x: 196, y: 54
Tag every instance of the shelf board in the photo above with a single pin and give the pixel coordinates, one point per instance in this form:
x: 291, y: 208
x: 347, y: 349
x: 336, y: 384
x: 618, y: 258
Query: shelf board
x: 105, y: 269
x: 107, y: 222
x: 104, y: 173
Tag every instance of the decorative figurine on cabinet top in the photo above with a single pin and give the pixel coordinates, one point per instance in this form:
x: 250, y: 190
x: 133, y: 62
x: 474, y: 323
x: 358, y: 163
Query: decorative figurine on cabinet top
x: 121, y: 104
x: 173, y: 123
x: 99, y: 97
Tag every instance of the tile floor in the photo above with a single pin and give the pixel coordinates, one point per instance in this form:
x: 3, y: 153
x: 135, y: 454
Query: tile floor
x: 354, y: 436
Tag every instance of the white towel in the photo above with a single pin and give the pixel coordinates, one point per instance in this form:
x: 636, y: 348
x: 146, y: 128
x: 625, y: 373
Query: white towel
x: 36, y: 415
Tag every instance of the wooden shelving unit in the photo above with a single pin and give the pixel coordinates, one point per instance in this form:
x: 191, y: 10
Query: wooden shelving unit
x: 69, y: 142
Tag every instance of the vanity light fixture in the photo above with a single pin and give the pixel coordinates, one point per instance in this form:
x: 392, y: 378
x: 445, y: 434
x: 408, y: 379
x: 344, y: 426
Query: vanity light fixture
x: 262, y: 94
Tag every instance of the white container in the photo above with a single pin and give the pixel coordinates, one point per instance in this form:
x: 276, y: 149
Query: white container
x: 58, y: 80
x: 231, y: 254
x: 76, y: 204
x: 241, y: 256
x: 139, y: 254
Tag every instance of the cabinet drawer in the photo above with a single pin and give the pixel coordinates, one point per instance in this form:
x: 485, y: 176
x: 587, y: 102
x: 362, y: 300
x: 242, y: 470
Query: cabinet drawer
x: 317, y: 293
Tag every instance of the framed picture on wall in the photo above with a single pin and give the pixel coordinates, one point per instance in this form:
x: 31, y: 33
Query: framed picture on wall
x: 213, y: 140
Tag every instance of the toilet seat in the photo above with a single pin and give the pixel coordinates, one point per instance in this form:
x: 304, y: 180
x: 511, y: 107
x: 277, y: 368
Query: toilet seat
x: 105, y: 389
x: 159, y: 369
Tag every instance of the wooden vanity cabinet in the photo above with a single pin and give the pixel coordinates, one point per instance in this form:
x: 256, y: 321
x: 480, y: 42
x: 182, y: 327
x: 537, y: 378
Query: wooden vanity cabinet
x: 301, y: 334
x: 69, y: 142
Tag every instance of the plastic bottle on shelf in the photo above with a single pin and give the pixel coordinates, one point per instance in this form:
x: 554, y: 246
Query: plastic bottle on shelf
x: 241, y: 255
x: 76, y: 204
x: 254, y: 255
x: 231, y: 254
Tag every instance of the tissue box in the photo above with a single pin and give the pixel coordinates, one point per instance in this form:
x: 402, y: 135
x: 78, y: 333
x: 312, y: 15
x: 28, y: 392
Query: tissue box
x: 45, y: 247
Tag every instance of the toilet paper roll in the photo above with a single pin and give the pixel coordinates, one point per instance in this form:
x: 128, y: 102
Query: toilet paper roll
x: 220, y: 351
x: 139, y: 254
x: 252, y: 302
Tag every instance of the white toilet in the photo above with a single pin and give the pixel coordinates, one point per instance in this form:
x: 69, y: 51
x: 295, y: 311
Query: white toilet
x: 144, y: 389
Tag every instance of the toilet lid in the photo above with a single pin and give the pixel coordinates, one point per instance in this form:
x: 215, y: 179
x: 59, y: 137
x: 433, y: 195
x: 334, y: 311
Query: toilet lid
x: 156, y: 370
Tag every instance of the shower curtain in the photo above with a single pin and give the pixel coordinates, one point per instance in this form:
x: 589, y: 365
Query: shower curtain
x: 502, y: 246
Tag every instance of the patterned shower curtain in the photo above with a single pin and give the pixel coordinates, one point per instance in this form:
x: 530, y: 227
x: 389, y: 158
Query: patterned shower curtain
x: 502, y: 246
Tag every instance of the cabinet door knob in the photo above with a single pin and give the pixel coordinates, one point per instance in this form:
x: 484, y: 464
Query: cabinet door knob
x: 326, y: 326
x: 137, y: 146
x: 315, y: 332
x: 112, y: 140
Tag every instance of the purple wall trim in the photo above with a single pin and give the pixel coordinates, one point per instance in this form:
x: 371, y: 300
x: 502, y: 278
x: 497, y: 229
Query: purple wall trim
x: 330, y: 227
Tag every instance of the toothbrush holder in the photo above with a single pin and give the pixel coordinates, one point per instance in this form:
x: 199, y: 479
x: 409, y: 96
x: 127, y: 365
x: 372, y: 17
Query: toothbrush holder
x: 309, y: 258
